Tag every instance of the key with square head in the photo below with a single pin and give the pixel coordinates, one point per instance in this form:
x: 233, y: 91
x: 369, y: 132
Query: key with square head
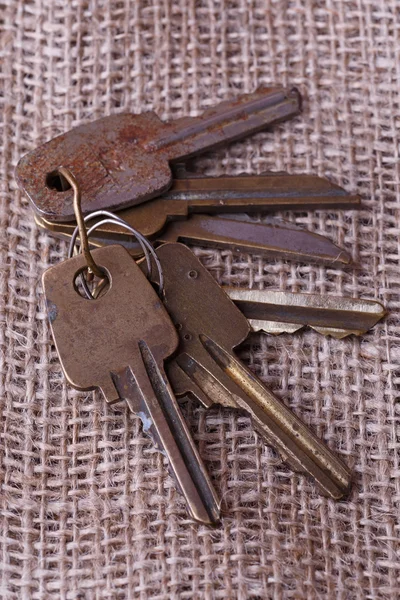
x: 118, y: 343
x: 124, y: 159
x: 210, y: 326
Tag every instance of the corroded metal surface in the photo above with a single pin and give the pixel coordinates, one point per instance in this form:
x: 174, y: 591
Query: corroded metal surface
x: 124, y: 159
x: 118, y: 343
x: 285, y: 312
x: 210, y: 326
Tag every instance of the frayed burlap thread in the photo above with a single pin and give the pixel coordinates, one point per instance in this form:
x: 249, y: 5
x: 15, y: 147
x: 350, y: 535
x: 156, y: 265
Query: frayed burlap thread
x: 88, y: 510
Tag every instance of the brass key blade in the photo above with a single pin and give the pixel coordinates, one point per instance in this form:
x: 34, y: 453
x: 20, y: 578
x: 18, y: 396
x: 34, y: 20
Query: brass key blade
x: 279, y: 427
x: 267, y: 192
x: 209, y: 327
x: 312, y: 456
x: 159, y: 408
x: 118, y: 343
x: 220, y: 195
x: 264, y: 239
x: 278, y: 312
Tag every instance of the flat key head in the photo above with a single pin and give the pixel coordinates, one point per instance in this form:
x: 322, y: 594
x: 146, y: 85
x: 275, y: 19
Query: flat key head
x: 107, y: 158
x: 96, y: 337
x: 199, y: 307
x: 193, y: 295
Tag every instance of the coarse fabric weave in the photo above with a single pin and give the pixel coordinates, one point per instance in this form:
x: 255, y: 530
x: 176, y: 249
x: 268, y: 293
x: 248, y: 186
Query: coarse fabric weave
x: 88, y: 510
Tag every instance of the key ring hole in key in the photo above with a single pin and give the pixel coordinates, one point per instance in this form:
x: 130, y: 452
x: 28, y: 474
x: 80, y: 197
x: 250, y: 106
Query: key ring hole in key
x: 89, y: 286
x: 55, y: 181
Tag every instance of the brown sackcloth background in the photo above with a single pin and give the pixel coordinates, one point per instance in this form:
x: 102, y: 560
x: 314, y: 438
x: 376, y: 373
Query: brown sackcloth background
x: 88, y: 511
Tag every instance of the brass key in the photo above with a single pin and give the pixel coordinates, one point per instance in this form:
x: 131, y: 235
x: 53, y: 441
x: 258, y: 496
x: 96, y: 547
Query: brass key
x: 273, y: 239
x: 209, y: 327
x: 118, y: 343
x: 190, y: 193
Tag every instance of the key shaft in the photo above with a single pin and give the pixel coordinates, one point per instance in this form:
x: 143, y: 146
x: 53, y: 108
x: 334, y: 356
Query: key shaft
x: 263, y: 239
x: 163, y: 422
x: 227, y: 121
x: 276, y: 423
x: 279, y: 312
x: 228, y: 194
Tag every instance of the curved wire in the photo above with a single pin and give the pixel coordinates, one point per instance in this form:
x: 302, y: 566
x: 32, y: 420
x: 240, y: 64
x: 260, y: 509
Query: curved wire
x: 83, y: 236
x: 113, y: 219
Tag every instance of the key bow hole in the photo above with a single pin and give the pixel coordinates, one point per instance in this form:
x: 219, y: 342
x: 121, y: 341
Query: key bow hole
x: 90, y: 287
x: 55, y: 181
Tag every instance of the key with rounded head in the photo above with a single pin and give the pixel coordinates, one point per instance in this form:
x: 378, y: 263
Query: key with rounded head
x: 118, y: 343
x: 210, y: 326
x: 124, y: 159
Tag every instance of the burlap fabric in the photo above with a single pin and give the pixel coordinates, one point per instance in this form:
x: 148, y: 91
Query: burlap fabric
x: 87, y: 509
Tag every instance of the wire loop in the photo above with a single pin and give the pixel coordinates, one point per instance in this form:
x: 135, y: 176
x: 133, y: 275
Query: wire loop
x: 92, y: 266
x: 111, y: 218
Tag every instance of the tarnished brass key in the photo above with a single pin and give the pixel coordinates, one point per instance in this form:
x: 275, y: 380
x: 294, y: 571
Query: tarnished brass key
x: 118, y: 343
x: 209, y: 327
x: 286, y: 312
x: 124, y: 159
x: 273, y: 239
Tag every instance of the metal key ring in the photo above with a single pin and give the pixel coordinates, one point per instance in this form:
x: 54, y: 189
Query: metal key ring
x: 145, y: 244
x: 114, y: 220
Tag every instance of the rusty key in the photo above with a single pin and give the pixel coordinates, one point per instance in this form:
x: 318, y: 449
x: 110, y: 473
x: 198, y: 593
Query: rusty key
x: 210, y: 326
x: 124, y: 159
x: 118, y: 343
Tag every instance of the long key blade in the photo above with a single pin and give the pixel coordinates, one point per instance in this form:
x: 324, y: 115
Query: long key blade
x: 279, y: 426
x: 286, y: 312
x: 239, y: 193
x: 275, y: 239
x: 270, y: 190
x: 209, y: 327
x: 163, y: 422
x: 219, y: 195
x: 124, y: 159
x: 263, y: 239
x: 118, y: 343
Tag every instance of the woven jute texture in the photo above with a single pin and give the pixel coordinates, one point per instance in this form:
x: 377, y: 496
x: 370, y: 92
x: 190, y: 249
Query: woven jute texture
x: 88, y: 510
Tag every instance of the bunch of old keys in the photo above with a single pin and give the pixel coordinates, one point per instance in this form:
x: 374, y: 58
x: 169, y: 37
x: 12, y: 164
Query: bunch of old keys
x: 157, y: 328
